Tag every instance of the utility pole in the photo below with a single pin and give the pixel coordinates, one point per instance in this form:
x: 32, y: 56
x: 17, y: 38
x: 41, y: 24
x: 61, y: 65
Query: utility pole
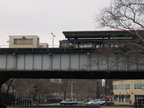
x: 72, y: 88
x: 72, y: 83
x: 106, y: 90
x: 98, y: 92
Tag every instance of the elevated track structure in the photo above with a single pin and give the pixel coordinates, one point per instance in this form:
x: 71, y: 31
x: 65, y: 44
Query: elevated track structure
x: 68, y: 63
x: 84, y: 55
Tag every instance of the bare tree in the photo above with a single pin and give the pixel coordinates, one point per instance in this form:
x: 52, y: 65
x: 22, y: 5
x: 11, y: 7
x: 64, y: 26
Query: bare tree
x: 124, y: 15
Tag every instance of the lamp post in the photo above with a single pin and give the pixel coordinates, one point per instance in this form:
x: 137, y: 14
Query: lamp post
x: 53, y: 39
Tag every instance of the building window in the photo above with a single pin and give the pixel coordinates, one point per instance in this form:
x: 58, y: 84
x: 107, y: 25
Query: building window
x: 138, y: 86
x: 127, y: 86
x: 121, y: 86
x: 142, y: 86
x: 139, y: 96
x: 115, y: 99
x: 135, y: 86
x: 127, y: 99
x: 115, y: 87
x: 121, y: 99
x: 25, y: 41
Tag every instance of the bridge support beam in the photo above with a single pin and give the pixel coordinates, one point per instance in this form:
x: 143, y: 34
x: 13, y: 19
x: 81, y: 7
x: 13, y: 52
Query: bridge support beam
x: 6, y: 75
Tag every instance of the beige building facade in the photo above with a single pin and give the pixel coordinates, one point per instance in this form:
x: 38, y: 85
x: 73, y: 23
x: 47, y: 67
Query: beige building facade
x: 126, y: 91
x: 43, y: 45
x: 27, y: 41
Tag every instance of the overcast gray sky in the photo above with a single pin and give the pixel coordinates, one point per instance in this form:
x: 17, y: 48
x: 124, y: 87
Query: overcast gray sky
x: 43, y: 17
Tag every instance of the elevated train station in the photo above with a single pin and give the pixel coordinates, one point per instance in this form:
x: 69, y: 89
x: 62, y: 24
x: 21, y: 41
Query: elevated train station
x: 83, y: 55
x: 97, y: 39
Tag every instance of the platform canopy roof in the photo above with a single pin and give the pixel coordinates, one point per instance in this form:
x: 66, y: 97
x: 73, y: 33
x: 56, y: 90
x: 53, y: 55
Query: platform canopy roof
x: 100, y: 34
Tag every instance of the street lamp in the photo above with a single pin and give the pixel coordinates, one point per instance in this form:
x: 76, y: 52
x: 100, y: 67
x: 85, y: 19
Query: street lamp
x: 53, y: 39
